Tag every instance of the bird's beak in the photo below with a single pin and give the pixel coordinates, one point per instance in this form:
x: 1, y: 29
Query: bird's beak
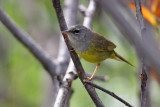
x: 65, y: 32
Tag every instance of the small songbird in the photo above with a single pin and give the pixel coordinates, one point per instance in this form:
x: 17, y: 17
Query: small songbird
x: 92, y: 46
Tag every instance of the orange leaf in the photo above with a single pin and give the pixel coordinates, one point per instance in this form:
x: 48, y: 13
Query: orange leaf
x: 147, y: 14
x: 156, y: 8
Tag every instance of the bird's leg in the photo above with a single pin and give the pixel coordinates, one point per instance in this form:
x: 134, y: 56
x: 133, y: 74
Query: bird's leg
x: 90, y: 78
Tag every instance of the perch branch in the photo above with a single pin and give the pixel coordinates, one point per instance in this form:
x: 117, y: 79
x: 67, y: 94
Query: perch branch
x: 80, y: 70
x: 108, y: 92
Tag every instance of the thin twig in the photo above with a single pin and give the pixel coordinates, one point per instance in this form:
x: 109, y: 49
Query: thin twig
x: 80, y: 70
x: 32, y: 46
x: 82, y: 9
x: 108, y: 92
x: 89, y: 13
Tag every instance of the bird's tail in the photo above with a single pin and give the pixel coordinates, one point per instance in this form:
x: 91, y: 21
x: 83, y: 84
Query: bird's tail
x: 116, y: 56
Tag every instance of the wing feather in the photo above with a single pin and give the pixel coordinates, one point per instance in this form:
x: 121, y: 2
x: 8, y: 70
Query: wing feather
x: 101, y: 43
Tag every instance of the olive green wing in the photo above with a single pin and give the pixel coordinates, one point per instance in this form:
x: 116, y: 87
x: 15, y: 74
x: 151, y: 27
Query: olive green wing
x: 101, y: 43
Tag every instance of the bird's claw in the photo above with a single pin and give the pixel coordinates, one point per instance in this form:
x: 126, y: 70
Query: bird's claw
x: 89, y: 78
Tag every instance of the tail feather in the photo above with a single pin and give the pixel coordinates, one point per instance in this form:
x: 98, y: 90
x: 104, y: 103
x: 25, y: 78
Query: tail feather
x: 118, y: 57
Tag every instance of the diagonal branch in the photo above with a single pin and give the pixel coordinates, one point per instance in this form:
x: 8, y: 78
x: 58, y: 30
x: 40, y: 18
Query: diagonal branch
x: 65, y: 88
x: 108, y: 92
x: 80, y: 70
x: 53, y: 67
x: 70, y: 11
x: 32, y: 46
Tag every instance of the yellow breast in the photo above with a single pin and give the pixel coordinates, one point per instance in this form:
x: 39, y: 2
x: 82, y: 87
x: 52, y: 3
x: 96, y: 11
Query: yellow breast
x: 94, y: 56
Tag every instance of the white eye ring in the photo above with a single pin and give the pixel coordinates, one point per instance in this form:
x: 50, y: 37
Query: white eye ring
x: 76, y: 31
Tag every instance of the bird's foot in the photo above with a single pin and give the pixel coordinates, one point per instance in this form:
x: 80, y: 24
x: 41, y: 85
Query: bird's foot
x: 89, y: 78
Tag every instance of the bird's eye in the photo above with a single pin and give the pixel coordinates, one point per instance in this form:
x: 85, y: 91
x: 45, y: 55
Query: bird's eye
x: 76, y: 31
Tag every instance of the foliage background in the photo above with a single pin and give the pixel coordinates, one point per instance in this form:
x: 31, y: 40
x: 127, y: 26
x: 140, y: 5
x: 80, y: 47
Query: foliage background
x: 23, y: 81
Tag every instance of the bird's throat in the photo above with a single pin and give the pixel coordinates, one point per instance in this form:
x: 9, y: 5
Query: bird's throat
x: 80, y: 46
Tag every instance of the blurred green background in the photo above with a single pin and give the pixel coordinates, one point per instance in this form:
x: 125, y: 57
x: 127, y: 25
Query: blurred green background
x: 24, y: 82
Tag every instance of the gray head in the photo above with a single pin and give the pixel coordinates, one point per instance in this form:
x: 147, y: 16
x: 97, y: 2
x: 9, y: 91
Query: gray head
x: 80, y: 37
x: 78, y: 32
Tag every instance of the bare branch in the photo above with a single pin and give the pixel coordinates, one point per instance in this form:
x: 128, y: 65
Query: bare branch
x: 67, y: 100
x: 32, y: 46
x: 70, y: 11
x: 108, y: 92
x: 89, y: 14
x: 80, y: 70
x: 143, y: 85
x: 63, y: 57
x: 145, y: 69
x: 139, y: 14
x: 65, y: 88
x: 53, y: 67
x: 83, y: 9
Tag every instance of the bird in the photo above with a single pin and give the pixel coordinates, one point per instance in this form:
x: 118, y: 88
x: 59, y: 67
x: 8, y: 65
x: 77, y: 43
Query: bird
x: 91, y: 46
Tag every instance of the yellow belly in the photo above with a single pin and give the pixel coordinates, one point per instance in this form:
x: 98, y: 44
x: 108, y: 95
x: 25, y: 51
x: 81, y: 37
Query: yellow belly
x: 95, y: 56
